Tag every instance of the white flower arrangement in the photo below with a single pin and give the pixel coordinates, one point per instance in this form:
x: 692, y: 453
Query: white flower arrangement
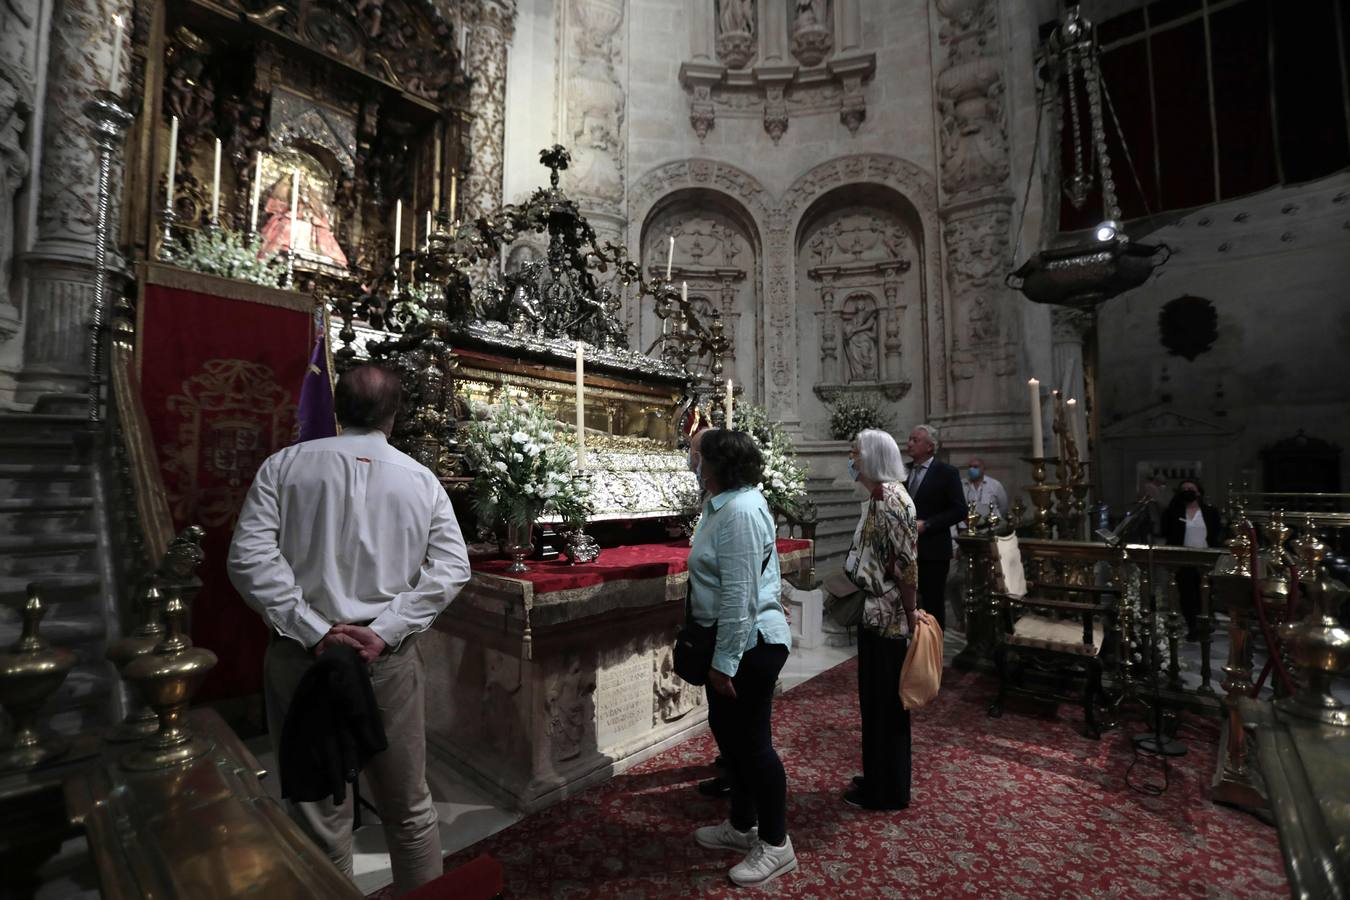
x: 521, y: 468
x: 850, y: 415
x: 784, y: 484
x: 229, y: 254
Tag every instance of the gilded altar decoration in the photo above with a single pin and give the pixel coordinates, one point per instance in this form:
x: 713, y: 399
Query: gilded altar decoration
x: 231, y: 417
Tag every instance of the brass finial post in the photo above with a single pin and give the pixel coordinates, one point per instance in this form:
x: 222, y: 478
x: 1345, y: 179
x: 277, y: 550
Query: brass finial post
x: 167, y: 678
x: 30, y: 673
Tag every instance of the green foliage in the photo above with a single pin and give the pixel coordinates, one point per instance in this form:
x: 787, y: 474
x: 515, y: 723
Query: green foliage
x: 229, y: 254
x: 852, y: 414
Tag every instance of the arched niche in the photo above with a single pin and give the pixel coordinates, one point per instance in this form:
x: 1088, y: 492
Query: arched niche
x: 717, y: 252
x: 861, y: 303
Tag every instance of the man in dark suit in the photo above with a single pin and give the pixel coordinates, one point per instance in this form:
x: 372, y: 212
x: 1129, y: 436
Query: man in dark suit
x: 939, y: 503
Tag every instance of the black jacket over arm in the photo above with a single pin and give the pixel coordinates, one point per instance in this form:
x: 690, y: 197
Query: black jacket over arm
x: 941, y: 503
x: 333, y: 726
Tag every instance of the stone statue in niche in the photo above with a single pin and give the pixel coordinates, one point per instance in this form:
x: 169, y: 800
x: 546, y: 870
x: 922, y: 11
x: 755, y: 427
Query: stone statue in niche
x: 13, y: 167
x: 567, y: 710
x: 812, y: 39
x: 313, y: 220
x: 860, y: 319
x: 674, y: 698
x: 735, y: 32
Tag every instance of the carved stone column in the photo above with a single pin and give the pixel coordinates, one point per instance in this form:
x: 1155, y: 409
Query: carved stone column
x: 20, y: 46
x: 894, y: 317
x: 59, y: 270
x: 493, y: 25
x: 594, y: 111
x: 976, y: 208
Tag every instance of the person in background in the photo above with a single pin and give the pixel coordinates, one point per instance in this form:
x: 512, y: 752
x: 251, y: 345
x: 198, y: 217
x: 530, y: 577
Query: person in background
x: 939, y: 502
x: 734, y: 583
x: 984, y: 490
x: 345, y: 540
x: 883, y: 563
x: 1191, y: 522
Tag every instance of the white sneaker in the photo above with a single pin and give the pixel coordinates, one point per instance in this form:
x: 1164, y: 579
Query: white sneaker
x: 764, y: 863
x: 726, y: 837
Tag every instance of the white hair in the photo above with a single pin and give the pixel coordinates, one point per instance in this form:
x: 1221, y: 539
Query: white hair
x: 931, y: 433
x: 879, y: 457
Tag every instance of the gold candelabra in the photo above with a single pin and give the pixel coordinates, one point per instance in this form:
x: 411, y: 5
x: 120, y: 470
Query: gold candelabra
x: 1042, y: 495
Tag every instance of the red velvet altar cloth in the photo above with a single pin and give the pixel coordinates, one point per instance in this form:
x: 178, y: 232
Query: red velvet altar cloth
x: 220, y: 381
x: 637, y: 561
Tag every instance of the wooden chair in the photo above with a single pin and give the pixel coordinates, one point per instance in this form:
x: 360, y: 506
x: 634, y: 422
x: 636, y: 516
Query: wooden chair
x: 1056, y: 627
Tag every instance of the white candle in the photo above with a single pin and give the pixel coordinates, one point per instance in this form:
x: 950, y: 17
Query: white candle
x: 257, y: 194
x: 115, y: 78
x: 215, y: 186
x: 295, y: 207
x: 1037, y: 435
x: 728, y: 409
x: 398, y: 234
x: 173, y: 158
x: 581, y: 405
x: 684, y: 294
x: 670, y: 257
x: 427, y: 236
x: 454, y: 193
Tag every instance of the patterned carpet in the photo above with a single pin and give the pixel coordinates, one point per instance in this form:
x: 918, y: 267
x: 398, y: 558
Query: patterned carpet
x: 1015, y: 807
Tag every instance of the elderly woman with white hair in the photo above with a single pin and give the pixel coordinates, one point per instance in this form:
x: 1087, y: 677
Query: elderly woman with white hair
x: 883, y: 564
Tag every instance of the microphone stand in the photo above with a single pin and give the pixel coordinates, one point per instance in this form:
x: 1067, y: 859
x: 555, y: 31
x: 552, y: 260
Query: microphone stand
x: 1155, y: 742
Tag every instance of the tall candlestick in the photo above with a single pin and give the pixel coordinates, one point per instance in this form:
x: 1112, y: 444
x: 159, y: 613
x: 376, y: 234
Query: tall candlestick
x: 173, y: 158
x: 115, y: 78
x: 581, y: 405
x: 398, y: 234
x: 215, y: 186
x: 670, y: 257
x: 1037, y: 435
x: 295, y: 208
x: 1076, y: 426
x: 454, y: 193
x: 257, y: 194
x: 728, y: 407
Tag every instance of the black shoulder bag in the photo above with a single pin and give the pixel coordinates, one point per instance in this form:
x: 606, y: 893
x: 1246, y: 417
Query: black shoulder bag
x: 695, y: 644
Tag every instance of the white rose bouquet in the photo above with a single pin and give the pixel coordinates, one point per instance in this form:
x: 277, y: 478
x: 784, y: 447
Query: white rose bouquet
x: 521, y: 469
x: 784, y: 485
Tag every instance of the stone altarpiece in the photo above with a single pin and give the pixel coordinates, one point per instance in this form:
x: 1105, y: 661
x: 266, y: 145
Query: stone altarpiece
x: 715, y: 255
x: 856, y: 260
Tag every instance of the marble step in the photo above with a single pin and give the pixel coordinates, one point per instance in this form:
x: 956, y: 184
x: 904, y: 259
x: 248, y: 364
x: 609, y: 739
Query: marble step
x: 35, y: 556
x: 55, y: 588
x: 28, y: 480
x: 45, y: 515
x: 37, y: 449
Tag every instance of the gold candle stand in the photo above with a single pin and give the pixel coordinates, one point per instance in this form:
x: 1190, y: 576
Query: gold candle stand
x: 1042, y: 494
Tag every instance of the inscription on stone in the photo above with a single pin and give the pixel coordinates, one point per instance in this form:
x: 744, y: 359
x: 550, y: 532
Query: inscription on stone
x: 623, y: 701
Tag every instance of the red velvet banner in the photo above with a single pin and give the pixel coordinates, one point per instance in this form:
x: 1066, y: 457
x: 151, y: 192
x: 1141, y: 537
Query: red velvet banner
x: 220, y: 380
x: 636, y: 561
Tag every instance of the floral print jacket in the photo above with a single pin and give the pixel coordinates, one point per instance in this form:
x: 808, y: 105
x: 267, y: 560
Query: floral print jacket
x: 883, y: 558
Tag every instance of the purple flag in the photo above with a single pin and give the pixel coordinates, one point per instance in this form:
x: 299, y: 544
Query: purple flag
x: 316, y: 394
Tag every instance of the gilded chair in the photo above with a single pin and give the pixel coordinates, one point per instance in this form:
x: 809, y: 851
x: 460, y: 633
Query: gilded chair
x: 1056, y: 628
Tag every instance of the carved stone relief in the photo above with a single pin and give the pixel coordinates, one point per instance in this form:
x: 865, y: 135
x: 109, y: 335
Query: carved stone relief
x: 857, y: 259
x: 776, y: 67
x: 493, y: 26
x: 595, y: 102
x: 974, y: 168
x: 675, y: 697
x: 735, y: 32
x: 569, y: 709
x: 812, y: 31
x: 15, y: 110
x: 714, y: 256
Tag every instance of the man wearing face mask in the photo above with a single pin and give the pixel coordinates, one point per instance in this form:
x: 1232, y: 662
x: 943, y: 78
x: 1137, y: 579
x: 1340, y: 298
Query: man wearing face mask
x: 984, y: 490
x: 935, y: 488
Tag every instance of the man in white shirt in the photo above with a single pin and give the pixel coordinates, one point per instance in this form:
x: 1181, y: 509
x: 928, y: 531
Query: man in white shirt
x: 984, y: 490
x: 345, y: 540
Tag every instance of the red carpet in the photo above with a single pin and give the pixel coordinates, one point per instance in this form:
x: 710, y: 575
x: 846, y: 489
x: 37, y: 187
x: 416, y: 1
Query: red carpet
x: 1013, y: 807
